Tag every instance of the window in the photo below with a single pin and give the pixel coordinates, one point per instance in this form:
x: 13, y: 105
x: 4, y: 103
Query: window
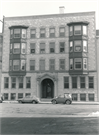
x: 52, y: 32
x: 15, y: 65
x: 10, y: 65
x: 23, y: 33
x: 62, y: 64
x: 85, y: 63
x: 16, y: 48
x: 13, y: 96
x: 23, y: 65
x: 82, y: 97
x: 23, y: 48
x: 20, y: 95
x: 78, y: 63
x: 11, y: 33
x: 33, y: 33
x: 28, y: 82
x: 6, y: 82
x: 42, y: 47
x: 66, y: 82
x: 42, y: 65
x: 52, y: 47
x: 42, y: 32
x: 70, y: 31
x: 27, y: 94
x: 32, y: 65
x: 71, y: 46
x: 84, y: 30
x: 84, y: 46
x: 32, y: 47
x: 82, y: 82
x: 77, y: 30
x: 52, y: 64
x: 5, y: 96
x: 20, y: 82
x: 13, y: 82
x: 91, y: 82
x: 62, y: 47
x: 10, y: 48
x: 77, y: 46
x: 71, y: 64
x: 61, y: 31
x: 91, y: 97
x: 74, y: 82
x: 16, y: 33
x: 74, y: 97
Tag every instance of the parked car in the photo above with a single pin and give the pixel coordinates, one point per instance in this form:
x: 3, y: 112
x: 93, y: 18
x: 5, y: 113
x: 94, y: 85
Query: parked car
x: 29, y: 99
x: 1, y: 99
x: 66, y: 98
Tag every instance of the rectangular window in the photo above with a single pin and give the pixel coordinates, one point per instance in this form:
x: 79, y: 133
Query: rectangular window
x: 20, y: 82
x: 13, y: 82
x: 82, y: 82
x: 52, y: 64
x: 16, y: 48
x: 5, y: 96
x: 77, y: 46
x: 91, y: 82
x: 52, y: 47
x: 27, y: 94
x: 32, y: 65
x: 71, y: 46
x: 20, y: 95
x: 15, y: 65
x: 66, y: 82
x: 6, y: 82
x: 85, y: 63
x: 42, y: 65
x: 32, y: 47
x: 10, y: 65
x: 82, y: 97
x: 74, y: 82
x: 62, y: 47
x: 23, y: 48
x: 11, y: 33
x: 62, y: 64
x: 23, y: 33
x: 84, y: 30
x: 62, y: 32
x: 70, y: 31
x: 17, y: 33
x: 74, y: 97
x: 77, y: 30
x: 42, y: 33
x: 23, y: 65
x: 52, y: 32
x: 10, y: 48
x: 78, y: 63
x: 42, y: 47
x: 33, y: 33
x: 84, y: 46
x: 91, y: 97
x: 71, y: 64
x: 13, y: 96
x: 28, y: 82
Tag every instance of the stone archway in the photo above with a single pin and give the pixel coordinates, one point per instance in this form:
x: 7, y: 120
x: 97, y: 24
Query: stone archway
x: 47, y: 88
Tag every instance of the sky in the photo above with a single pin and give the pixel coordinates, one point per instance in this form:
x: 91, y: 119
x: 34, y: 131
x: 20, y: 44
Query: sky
x: 12, y: 8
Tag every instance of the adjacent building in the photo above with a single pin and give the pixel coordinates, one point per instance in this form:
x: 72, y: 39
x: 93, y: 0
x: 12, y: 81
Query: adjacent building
x: 49, y: 55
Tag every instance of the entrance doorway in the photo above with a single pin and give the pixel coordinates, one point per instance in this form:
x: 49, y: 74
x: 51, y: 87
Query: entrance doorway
x: 47, y: 88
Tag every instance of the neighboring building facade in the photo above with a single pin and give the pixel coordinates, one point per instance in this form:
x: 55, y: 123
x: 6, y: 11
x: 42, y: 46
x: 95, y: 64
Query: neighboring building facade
x: 49, y: 55
x: 1, y: 41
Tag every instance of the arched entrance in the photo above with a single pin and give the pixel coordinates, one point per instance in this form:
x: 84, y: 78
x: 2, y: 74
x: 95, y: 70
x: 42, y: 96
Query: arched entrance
x: 47, y: 88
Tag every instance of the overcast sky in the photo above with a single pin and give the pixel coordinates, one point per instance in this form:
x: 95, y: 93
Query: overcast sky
x: 10, y: 8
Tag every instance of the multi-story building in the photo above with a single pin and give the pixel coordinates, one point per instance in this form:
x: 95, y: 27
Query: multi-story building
x: 48, y: 55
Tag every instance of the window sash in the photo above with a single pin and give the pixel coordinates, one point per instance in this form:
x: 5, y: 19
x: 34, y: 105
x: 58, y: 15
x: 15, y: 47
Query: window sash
x: 84, y: 46
x: 71, y: 64
x: 71, y: 46
x: 70, y: 31
x: 23, y: 33
x: 28, y: 82
x: 62, y: 64
x: 13, y: 96
x: 23, y: 48
x: 42, y: 33
x: 82, y: 82
x: 62, y: 32
x: 23, y: 65
x: 66, y: 82
x: 52, y: 64
x: 77, y: 46
x: 77, y: 30
x: 33, y: 33
x: 16, y: 65
x: 32, y: 64
x: 13, y: 82
x: 17, y: 33
x: 20, y: 82
x: 74, y: 82
x: 42, y: 47
x: 82, y: 97
x: 6, y: 82
x: 52, y: 47
x: 78, y: 63
x: 5, y: 96
x: 91, y: 82
x: 91, y: 97
x: 74, y: 97
x: 84, y: 30
x: 20, y: 95
x: 16, y: 48
x: 42, y: 65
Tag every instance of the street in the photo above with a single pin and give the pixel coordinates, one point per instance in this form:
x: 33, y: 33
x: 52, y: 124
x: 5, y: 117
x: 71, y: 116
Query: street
x: 49, y: 119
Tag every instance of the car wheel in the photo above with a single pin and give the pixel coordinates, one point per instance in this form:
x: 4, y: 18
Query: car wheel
x: 68, y: 102
x: 20, y: 101
x: 54, y: 102
x: 33, y: 102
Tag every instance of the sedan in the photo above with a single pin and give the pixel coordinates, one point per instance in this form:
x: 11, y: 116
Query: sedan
x: 29, y: 99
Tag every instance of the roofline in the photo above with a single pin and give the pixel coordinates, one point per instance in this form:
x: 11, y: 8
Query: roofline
x: 51, y: 15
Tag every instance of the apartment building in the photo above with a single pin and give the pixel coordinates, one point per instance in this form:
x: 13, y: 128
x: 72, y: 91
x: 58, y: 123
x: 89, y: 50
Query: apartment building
x: 49, y: 55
